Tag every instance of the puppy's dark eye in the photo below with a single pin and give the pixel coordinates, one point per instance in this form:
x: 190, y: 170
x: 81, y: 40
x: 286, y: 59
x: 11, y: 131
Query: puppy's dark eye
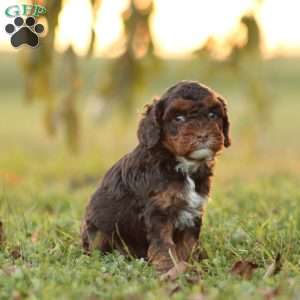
x: 180, y: 119
x: 212, y: 116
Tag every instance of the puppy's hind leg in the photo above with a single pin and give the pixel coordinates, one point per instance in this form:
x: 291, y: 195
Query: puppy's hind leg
x: 93, y: 239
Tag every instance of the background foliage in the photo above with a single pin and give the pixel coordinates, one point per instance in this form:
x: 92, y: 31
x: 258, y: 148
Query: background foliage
x: 93, y: 105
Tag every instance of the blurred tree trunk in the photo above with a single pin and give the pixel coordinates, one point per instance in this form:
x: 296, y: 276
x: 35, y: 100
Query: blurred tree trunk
x: 247, y: 64
x: 95, y: 8
x: 126, y: 75
x: 39, y: 76
x: 68, y: 112
x: 38, y: 68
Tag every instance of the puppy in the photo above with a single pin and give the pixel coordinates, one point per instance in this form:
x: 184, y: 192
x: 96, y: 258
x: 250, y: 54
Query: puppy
x: 150, y: 203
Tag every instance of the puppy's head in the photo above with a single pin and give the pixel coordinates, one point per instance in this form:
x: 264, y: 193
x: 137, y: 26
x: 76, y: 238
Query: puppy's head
x: 190, y: 120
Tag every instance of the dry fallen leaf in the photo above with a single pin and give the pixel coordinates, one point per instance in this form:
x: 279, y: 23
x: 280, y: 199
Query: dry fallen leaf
x: 16, y: 295
x: 274, y: 267
x: 129, y: 296
x: 271, y: 294
x: 174, y: 273
x: 9, y: 270
x: 173, y: 288
x: 11, y: 178
x: 244, y: 269
x: 198, y: 296
x: 34, y: 236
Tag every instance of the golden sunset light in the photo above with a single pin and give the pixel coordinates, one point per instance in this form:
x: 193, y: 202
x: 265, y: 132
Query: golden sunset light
x: 178, y: 27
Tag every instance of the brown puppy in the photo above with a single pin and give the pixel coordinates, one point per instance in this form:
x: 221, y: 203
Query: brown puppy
x: 150, y: 203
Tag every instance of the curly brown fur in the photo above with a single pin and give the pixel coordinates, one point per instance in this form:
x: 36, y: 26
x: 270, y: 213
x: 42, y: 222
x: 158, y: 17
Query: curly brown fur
x: 150, y: 203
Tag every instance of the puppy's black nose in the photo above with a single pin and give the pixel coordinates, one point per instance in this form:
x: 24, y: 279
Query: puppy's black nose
x: 202, y: 137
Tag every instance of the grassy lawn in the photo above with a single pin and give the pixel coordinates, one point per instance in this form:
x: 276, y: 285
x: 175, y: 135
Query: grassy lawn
x: 251, y: 227
x: 252, y: 222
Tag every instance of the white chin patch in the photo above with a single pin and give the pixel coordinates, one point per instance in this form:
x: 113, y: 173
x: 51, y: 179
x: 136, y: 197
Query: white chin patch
x: 201, y: 154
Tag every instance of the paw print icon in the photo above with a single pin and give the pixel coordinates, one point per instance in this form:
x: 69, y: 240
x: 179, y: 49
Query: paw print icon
x: 24, y: 33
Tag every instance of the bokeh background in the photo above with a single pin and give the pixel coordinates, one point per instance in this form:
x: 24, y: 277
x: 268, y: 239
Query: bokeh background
x: 70, y: 108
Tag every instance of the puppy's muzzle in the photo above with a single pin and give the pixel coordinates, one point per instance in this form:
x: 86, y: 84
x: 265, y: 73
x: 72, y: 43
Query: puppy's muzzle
x: 201, y: 154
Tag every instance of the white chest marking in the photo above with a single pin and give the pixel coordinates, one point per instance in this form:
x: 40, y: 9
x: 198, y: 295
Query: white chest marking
x: 187, y: 216
x: 186, y: 166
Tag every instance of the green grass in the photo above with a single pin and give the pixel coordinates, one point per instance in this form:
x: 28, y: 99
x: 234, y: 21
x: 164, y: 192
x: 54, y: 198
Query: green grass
x: 253, y: 214
x: 244, y: 221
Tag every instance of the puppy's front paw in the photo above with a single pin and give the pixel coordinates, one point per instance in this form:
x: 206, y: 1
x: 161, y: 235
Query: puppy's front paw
x: 175, y: 271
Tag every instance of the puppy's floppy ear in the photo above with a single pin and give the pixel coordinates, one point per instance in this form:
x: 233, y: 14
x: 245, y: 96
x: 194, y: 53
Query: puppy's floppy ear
x: 226, y: 123
x: 149, y: 129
